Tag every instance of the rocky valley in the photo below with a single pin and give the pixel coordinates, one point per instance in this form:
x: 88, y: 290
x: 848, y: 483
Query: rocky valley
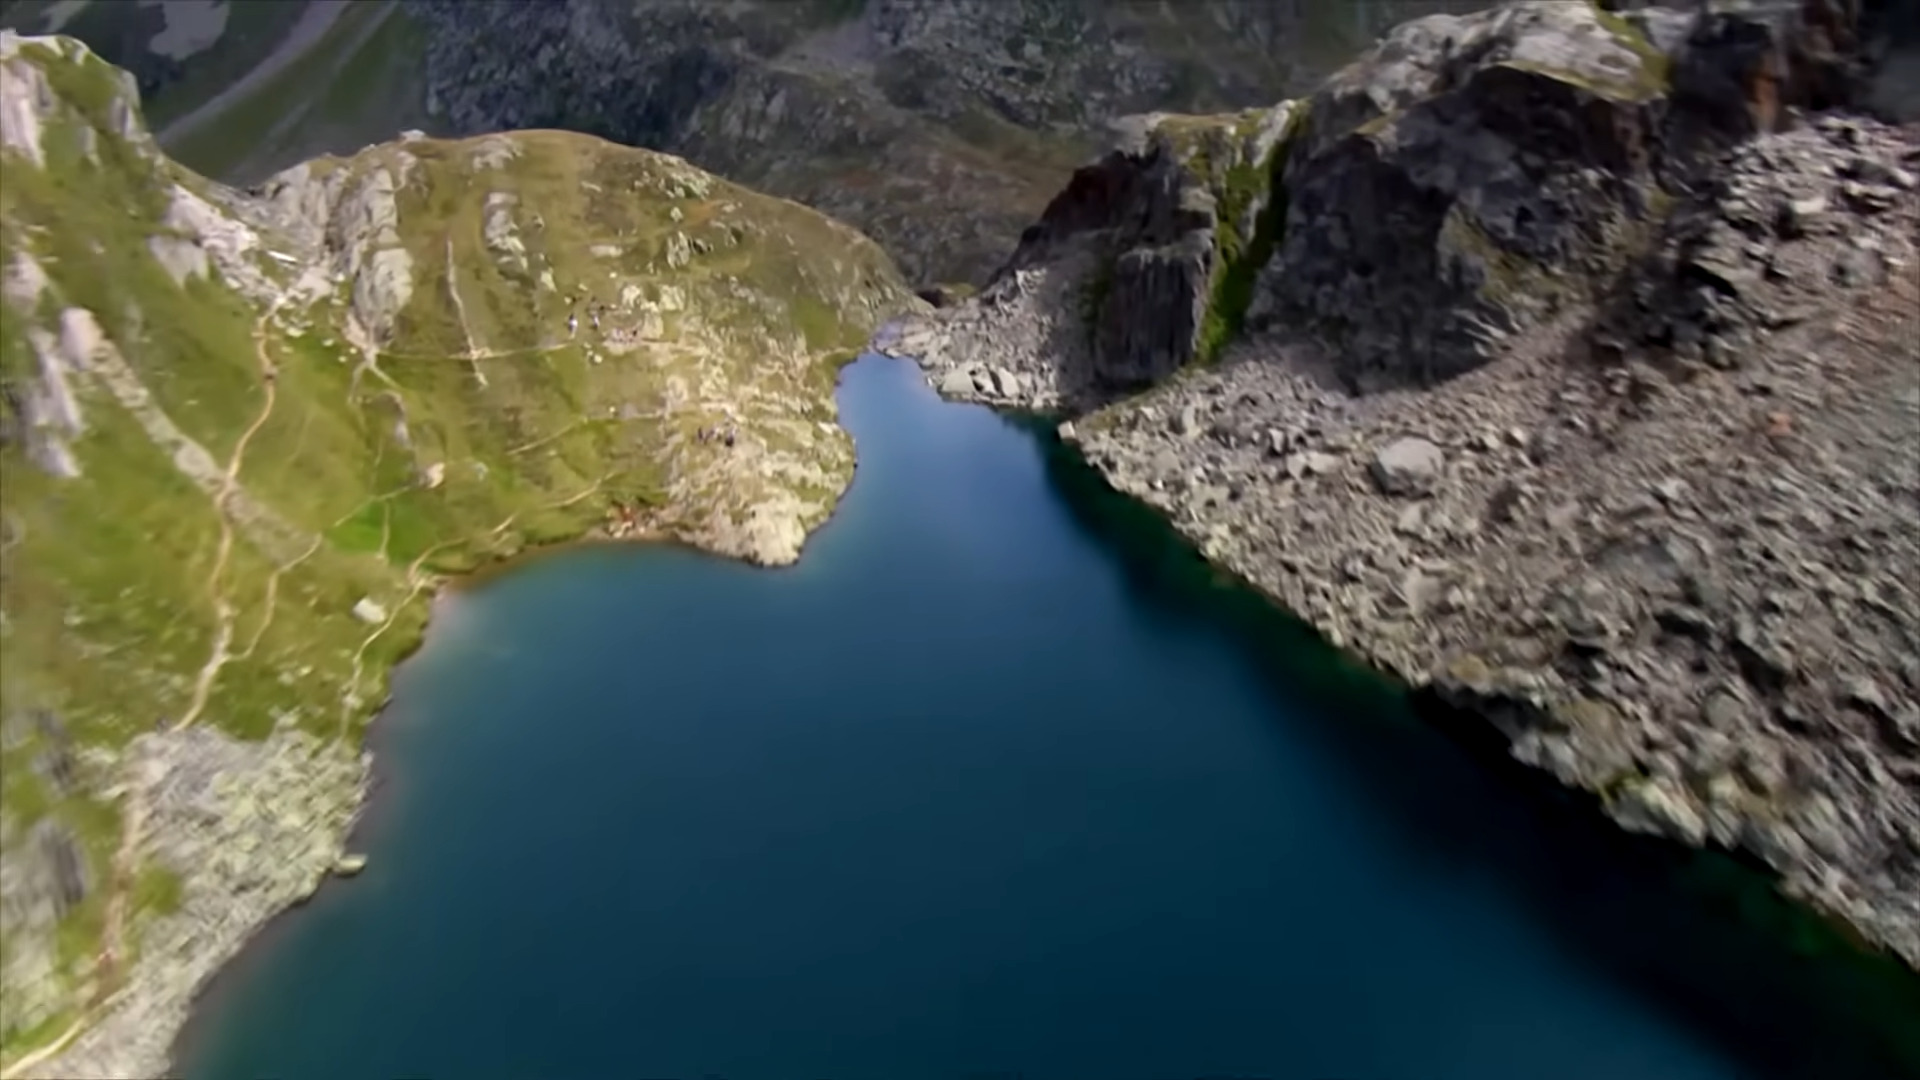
x: 246, y: 435
x: 1558, y: 360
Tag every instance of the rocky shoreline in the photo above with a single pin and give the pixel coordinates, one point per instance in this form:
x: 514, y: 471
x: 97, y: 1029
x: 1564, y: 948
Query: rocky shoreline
x: 1643, y: 504
x: 211, y: 805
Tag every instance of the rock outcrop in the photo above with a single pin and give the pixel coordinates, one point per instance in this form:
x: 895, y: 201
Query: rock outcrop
x: 939, y: 127
x: 1143, y: 264
x: 1578, y: 389
x: 244, y: 435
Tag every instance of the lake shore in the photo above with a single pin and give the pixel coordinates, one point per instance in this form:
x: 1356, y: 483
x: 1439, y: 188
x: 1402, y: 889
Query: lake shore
x: 1699, y: 883
x: 1622, y: 906
x: 1632, y: 492
x: 268, y: 828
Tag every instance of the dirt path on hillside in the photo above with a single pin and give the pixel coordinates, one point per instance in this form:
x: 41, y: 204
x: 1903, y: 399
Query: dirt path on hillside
x: 230, y: 480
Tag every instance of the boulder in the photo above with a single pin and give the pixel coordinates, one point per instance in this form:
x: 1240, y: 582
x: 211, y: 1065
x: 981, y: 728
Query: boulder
x: 957, y: 382
x: 1407, y: 467
x: 1472, y: 178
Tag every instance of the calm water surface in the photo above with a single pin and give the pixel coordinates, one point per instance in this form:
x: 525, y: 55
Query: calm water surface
x: 973, y: 790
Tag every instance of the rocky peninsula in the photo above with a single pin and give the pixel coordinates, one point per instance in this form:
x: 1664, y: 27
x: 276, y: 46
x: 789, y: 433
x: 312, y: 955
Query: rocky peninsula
x: 1559, y: 361
x: 246, y: 435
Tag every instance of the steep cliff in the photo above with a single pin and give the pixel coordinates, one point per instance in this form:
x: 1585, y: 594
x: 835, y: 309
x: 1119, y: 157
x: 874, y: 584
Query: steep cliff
x: 1574, y: 384
x: 939, y: 128
x: 245, y: 434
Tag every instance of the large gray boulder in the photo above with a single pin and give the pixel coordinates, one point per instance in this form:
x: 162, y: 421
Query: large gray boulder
x: 1472, y: 178
x: 1407, y: 467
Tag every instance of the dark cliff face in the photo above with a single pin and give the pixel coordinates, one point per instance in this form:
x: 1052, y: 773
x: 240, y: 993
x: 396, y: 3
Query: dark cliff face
x: 1463, y: 186
x: 1166, y: 231
x: 1469, y: 181
x: 1527, y: 175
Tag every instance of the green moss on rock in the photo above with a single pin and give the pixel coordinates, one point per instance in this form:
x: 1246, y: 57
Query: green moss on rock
x: 1239, y: 259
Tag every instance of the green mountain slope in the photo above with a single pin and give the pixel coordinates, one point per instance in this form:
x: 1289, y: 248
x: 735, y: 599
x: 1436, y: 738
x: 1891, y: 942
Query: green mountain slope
x: 245, y: 435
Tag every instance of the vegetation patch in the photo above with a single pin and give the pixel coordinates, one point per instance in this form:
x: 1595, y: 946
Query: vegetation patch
x: 1094, y: 293
x: 1238, y: 259
x: 1656, y: 67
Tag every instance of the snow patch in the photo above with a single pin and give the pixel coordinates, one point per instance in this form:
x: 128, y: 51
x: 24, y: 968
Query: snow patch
x: 192, y: 26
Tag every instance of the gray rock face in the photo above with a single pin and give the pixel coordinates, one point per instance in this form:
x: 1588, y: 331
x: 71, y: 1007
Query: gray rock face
x: 1170, y: 282
x: 939, y: 127
x: 249, y: 828
x: 1407, y: 467
x: 1469, y: 182
x: 1655, y: 341
x: 1696, y: 601
x: 1115, y: 286
x: 1474, y: 177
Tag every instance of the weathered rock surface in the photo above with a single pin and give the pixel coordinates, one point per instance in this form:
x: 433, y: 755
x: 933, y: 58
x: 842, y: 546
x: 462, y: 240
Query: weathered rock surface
x: 1580, y: 391
x: 248, y: 829
x: 1139, y: 267
x: 939, y: 127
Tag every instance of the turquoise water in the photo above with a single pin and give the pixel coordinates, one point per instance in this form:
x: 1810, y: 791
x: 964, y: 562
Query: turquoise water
x: 996, y: 782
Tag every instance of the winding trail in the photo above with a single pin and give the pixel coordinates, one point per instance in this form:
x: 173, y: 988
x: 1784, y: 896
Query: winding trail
x: 134, y: 802
x: 125, y: 863
x: 417, y: 583
x: 273, y: 593
x: 19, y: 1068
x: 466, y: 328
x: 224, y: 611
x: 480, y: 354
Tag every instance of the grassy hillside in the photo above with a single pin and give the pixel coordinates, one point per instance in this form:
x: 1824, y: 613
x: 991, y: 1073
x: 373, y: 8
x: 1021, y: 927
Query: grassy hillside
x: 245, y: 435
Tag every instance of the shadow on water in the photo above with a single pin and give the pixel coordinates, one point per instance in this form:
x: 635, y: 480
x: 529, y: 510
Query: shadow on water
x: 1705, y: 936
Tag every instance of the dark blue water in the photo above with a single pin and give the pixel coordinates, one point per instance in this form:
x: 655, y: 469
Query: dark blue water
x: 981, y: 787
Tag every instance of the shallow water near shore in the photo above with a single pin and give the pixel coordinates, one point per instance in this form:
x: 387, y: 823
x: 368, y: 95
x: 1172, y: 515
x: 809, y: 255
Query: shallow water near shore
x: 998, y: 781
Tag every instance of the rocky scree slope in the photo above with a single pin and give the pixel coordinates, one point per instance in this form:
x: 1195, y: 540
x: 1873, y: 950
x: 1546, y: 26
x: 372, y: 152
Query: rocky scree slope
x: 939, y: 127
x: 1572, y: 378
x: 245, y: 435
